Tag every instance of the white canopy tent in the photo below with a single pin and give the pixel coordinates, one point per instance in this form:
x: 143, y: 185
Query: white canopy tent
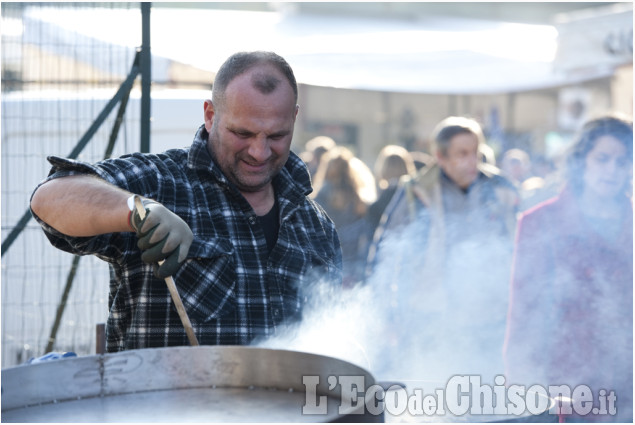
x: 431, y: 55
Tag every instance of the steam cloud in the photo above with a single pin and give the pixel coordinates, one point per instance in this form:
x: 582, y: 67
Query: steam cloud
x: 402, y: 330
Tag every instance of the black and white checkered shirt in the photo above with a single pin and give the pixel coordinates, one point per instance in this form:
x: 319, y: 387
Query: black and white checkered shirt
x: 232, y: 289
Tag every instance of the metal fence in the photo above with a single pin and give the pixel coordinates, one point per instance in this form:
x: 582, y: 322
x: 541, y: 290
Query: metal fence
x: 56, y: 83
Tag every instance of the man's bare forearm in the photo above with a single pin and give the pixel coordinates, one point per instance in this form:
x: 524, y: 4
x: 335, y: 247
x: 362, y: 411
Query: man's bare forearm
x: 82, y: 206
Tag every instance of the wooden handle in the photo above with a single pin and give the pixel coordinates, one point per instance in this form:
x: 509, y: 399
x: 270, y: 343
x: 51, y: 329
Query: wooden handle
x: 176, y: 298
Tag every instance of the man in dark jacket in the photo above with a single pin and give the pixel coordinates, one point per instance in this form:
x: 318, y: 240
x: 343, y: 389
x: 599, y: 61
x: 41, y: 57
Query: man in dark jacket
x: 442, y: 253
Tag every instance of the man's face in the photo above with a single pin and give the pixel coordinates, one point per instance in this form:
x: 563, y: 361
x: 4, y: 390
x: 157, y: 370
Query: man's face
x: 251, y: 132
x: 461, y: 159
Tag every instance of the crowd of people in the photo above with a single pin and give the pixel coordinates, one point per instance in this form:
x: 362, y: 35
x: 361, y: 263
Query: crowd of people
x: 488, y: 268
x: 356, y: 198
x: 474, y: 269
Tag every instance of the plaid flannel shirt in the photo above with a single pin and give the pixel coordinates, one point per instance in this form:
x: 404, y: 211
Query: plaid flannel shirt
x: 232, y: 290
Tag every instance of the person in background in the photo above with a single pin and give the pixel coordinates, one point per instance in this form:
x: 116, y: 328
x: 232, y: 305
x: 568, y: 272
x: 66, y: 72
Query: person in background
x: 314, y: 149
x: 516, y: 165
x: 392, y: 163
x: 229, y: 216
x: 338, y: 189
x: 571, y: 308
x: 441, y: 255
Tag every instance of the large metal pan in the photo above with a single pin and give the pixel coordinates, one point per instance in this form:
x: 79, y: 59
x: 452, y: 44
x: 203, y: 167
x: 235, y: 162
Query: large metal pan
x: 184, y: 384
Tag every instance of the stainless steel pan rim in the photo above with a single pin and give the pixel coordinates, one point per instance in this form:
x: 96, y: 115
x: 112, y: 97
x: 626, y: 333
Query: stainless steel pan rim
x: 253, y: 384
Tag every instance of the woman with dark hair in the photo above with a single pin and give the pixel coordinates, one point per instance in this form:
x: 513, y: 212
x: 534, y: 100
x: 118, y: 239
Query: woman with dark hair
x: 570, y: 317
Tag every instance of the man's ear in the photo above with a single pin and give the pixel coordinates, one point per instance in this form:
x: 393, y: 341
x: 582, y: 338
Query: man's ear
x: 208, y: 114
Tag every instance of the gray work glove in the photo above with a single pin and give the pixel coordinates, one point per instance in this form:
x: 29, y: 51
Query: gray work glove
x: 163, y: 236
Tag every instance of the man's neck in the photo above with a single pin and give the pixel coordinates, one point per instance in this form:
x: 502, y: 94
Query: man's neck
x: 261, y: 201
x: 449, y: 179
